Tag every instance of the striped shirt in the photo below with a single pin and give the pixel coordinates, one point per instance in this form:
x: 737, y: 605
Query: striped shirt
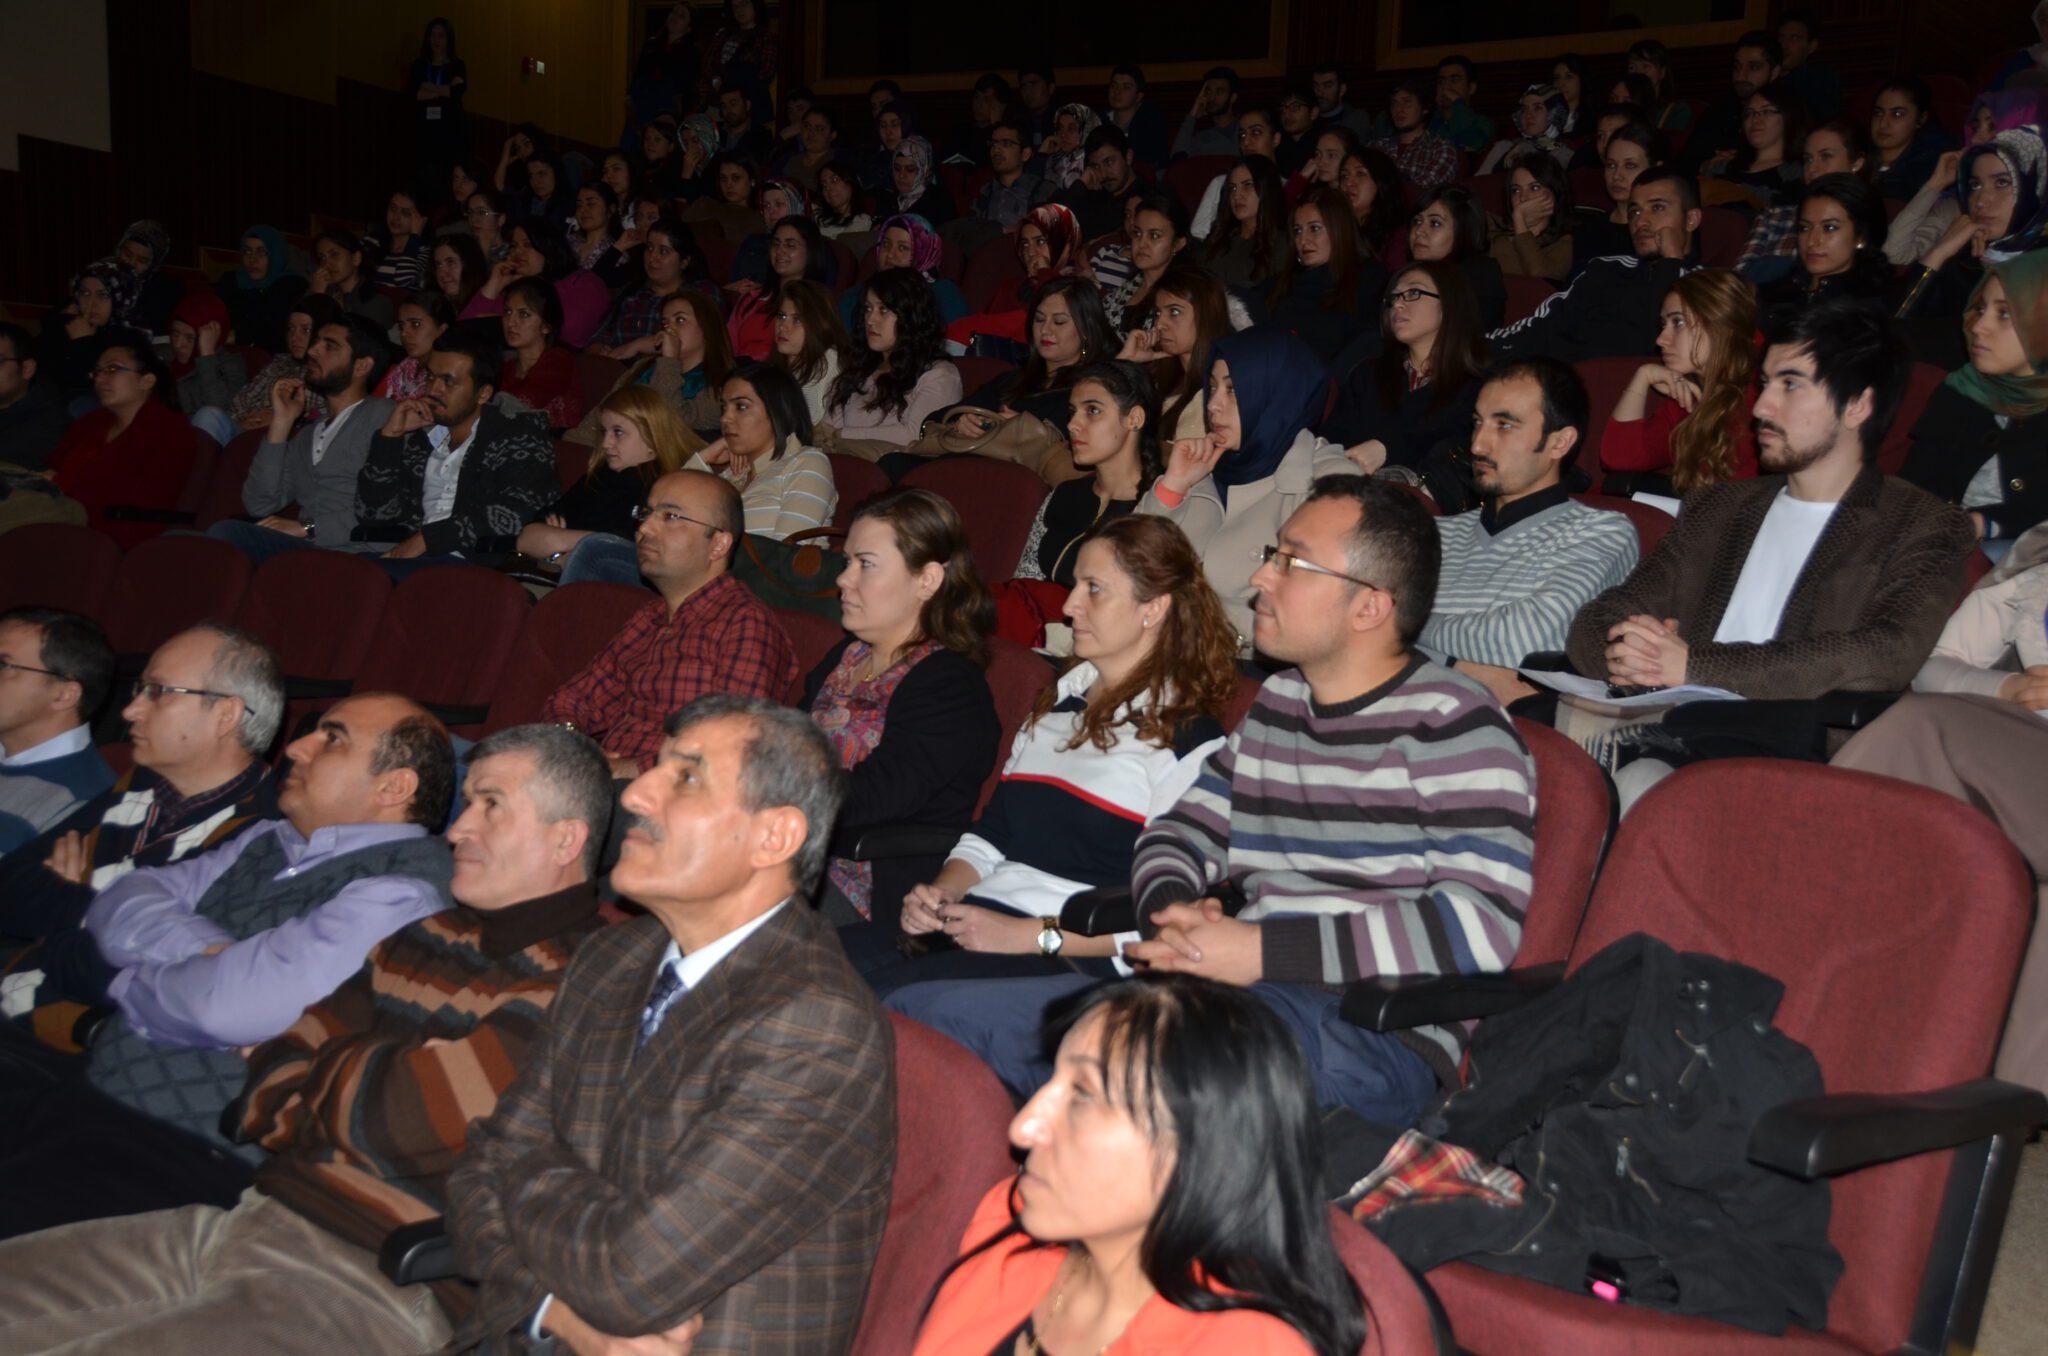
x: 1502, y: 595
x: 788, y: 495
x: 1387, y: 835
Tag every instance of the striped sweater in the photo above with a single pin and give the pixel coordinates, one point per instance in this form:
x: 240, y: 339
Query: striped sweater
x: 1387, y: 835
x: 365, y: 1103
x: 1501, y: 596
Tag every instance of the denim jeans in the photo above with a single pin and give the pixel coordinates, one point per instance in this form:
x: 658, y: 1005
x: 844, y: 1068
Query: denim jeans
x: 258, y: 543
x: 603, y: 558
x: 214, y: 422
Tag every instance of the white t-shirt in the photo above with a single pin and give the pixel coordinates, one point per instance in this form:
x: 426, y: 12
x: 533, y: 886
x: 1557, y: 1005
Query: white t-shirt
x: 1775, y: 559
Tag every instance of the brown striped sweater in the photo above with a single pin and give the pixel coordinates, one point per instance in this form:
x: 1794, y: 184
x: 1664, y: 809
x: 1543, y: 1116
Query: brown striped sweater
x: 365, y: 1103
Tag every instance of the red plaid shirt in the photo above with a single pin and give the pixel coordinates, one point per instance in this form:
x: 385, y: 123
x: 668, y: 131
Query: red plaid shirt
x: 1424, y: 162
x: 722, y: 639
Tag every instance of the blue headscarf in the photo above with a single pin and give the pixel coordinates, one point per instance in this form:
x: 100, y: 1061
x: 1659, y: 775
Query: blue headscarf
x: 1280, y: 385
x: 280, y: 259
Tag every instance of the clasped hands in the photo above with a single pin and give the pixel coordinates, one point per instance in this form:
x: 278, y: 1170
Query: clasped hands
x: 1645, y: 652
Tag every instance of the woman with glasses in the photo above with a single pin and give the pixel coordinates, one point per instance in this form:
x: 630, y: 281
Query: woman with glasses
x: 687, y: 368
x: 260, y: 293
x: 1417, y: 395
x: 135, y: 450
x: 1450, y: 227
x: 764, y: 449
x: 669, y: 262
x: 810, y: 343
x: 1231, y: 489
x: 484, y: 214
x: 1767, y: 170
x: 589, y: 531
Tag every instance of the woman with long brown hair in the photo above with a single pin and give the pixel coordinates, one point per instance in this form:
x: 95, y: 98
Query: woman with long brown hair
x: 903, y: 698
x: 1329, y: 293
x: 589, y: 531
x: 1115, y: 741
x: 1684, y: 422
x: 810, y: 343
x: 1418, y: 393
x: 1249, y: 242
x: 1190, y: 310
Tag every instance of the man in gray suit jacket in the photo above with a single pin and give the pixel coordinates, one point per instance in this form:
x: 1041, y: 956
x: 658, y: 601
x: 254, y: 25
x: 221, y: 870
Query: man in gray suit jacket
x: 316, y: 467
x: 700, y: 1146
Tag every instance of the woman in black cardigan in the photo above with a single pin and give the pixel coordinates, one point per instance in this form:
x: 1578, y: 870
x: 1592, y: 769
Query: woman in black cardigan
x: 1329, y: 293
x: 904, y: 699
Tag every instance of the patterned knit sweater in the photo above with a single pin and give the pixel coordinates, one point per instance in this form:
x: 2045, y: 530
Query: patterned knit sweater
x: 1503, y: 595
x: 365, y: 1103
x: 1387, y: 835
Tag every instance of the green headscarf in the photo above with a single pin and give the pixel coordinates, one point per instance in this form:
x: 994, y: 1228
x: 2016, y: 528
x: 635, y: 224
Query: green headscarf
x: 2021, y: 395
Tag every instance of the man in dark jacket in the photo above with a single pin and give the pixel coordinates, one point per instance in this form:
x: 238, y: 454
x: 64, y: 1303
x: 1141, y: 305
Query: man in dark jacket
x: 32, y: 417
x: 1611, y: 308
x: 454, y: 473
x: 1097, y: 199
x: 1718, y: 134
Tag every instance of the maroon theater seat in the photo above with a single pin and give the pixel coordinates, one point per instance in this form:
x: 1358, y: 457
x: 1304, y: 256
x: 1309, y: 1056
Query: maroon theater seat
x: 63, y: 565
x: 562, y: 633
x: 444, y: 641
x: 1650, y: 522
x: 1575, y: 811
x: 997, y: 502
x: 166, y: 584
x: 857, y: 482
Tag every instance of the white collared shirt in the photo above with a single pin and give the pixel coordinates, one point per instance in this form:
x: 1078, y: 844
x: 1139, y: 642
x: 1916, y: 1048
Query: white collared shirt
x: 77, y: 739
x: 693, y: 968
x: 329, y: 425
x: 444, y: 472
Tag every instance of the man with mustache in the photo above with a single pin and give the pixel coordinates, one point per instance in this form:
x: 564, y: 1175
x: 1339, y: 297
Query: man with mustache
x: 1822, y: 574
x: 455, y: 474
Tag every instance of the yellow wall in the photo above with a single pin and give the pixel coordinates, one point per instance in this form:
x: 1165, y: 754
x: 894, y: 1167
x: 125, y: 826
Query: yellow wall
x: 304, y: 46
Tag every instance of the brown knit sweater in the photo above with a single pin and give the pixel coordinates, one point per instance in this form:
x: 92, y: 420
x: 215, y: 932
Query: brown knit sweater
x: 1866, y: 610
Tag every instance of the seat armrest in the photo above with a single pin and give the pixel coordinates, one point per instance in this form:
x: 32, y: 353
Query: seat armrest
x: 881, y: 842
x: 135, y: 513
x: 1403, y: 1002
x: 413, y: 1254
x: 1101, y: 912
x: 1852, y: 710
x: 1823, y: 1136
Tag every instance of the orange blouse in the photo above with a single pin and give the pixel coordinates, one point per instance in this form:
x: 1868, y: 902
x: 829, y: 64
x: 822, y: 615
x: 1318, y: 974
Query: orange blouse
x: 985, y: 1300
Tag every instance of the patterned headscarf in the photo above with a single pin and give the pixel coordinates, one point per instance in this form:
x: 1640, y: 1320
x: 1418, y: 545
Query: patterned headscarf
x: 1554, y: 105
x: 704, y: 128
x: 2023, y: 152
x: 924, y: 241
x: 2010, y: 108
x: 2021, y: 395
x: 918, y: 152
x: 792, y: 193
x: 120, y: 284
x: 280, y: 259
x: 1063, y: 169
x: 1062, y: 232
x: 153, y: 237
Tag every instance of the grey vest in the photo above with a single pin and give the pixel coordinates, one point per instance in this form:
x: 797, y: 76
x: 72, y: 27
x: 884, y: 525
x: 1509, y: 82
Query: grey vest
x: 189, y: 1088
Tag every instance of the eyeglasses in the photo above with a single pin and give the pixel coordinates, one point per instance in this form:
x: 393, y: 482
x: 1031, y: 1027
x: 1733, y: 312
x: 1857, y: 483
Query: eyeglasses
x: 1010, y: 143
x: 1752, y: 114
x: 642, y: 512
x: 109, y: 369
x: 6, y: 664
x: 1408, y: 296
x: 1286, y: 562
x: 156, y: 692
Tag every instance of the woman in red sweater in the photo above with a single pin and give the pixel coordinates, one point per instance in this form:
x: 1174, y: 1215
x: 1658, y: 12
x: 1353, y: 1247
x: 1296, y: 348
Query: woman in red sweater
x: 1125, y: 1233
x: 134, y: 450
x: 1684, y: 422
x: 540, y: 371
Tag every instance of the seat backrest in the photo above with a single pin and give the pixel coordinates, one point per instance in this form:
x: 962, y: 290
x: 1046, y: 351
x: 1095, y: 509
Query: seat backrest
x: 166, y: 584
x: 1525, y: 294
x: 1188, y: 179
x: 446, y: 635
x: 562, y: 632
x: 1898, y: 441
x: 222, y: 497
x: 1895, y: 917
x: 318, y: 610
x: 978, y: 372
x: 596, y: 375
x: 1649, y: 521
x: 572, y: 461
x: 813, y: 637
x: 1575, y: 811
x: 997, y: 502
x: 719, y: 253
x: 1016, y: 675
x: 1248, y: 689
x: 988, y: 268
x: 1722, y: 233
x: 1606, y: 379
x: 952, y: 1145
x: 58, y: 565
x: 1399, y: 1318
x: 857, y: 482
x: 846, y: 267
x: 1491, y: 190
x: 1589, y: 186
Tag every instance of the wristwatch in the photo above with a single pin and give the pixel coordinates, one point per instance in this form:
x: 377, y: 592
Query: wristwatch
x: 1049, y: 939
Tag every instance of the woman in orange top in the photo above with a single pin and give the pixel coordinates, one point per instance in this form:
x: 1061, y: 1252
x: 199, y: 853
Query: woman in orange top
x: 1169, y: 1196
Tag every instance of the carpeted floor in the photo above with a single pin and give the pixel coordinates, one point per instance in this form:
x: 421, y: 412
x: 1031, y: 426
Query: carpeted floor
x: 2016, y: 1312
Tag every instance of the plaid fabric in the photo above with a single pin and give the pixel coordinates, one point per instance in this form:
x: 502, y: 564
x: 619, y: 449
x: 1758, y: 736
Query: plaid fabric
x: 1420, y: 1168
x: 637, y: 315
x: 1424, y: 162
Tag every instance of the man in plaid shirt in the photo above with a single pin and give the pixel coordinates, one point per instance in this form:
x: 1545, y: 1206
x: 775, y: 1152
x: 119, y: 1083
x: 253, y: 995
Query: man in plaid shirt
x: 706, y: 633
x: 1424, y: 160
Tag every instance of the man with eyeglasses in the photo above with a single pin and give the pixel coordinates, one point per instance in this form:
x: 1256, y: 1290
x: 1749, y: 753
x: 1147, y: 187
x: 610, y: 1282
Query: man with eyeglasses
x: 55, y: 670
x: 1210, y: 127
x: 1373, y: 815
x: 1297, y: 110
x: 707, y: 633
x: 206, y: 708
x: 32, y: 418
x: 1014, y: 190
x: 454, y: 474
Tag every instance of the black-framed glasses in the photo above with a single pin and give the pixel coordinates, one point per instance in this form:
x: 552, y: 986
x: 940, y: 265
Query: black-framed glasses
x: 1286, y: 562
x: 643, y: 512
x: 6, y: 664
x: 1408, y: 296
x: 156, y: 692
x: 111, y: 369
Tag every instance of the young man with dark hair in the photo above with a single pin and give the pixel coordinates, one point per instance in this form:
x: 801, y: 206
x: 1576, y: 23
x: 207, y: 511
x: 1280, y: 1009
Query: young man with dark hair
x: 1425, y: 160
x: 1612, y: 308
x: 1822, y: 574
x: 1718, y: 132
x: 987, y: 104
x: 55, y: 670
x: 1129, y: 112
x: 32, y: 417
x: 454, y: 473
x: 738, y: 133
x: 1373, y: 815
x: 1798, y: 40
x: 1331, y: 87
x: 1038, y: 92
x: 1455, y: 120
x: 1297, y: 109
x: 1109, y: 177
x: 1210, y: 127
x: 1013, y: 189
x: 1517, y: 570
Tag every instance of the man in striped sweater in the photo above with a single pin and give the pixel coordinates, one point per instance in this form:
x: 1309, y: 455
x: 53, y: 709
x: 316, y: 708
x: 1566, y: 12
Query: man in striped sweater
x: 363, y: 1105
x: 1374, y: 814
x: 1516, y: 571
x: 55, y: 669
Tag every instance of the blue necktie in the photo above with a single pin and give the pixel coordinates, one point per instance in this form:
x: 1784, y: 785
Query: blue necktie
x: 668, y: 987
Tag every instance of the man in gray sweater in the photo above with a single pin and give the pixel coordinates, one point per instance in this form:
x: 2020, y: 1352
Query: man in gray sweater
x: 315, y: 467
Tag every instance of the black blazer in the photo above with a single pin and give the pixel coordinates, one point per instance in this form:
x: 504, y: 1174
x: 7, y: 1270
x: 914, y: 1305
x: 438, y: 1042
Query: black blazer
x: 1956, y: 436
x: 938, y: 746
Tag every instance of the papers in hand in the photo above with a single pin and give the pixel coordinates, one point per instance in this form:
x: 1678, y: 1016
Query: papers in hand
x: 1657, y: 501
x: 1596, y: 691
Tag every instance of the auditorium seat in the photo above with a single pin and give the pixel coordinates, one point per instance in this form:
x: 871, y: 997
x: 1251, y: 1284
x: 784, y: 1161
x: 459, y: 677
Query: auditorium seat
x: 142, y: 522
x: 166, y: 584
x: 847, y: 270
x: 813, y: 637
x: 1248, y: 689
x: 222, y: 497
x: 1188, y: 179
x: 597, y: 375
x: 1649, y: 521
x: 857, y: 481
x: 319, y: 611
x: 63, y: 565
x: 988, y: 268
x: 1016, y: 675
x: 572, y: 460
x: 444, y: 641
x: 1402, y: 1316
x: 719, y: 253
x: 1898, y: 443
x: 978, y: 372
x: 562, y: 633
x: 1606, y: 379
x: 1492, y: 192
x: 1722, y: 234
x: 1525, y: 294
x: 997, y: 502
x: 1575, y: 813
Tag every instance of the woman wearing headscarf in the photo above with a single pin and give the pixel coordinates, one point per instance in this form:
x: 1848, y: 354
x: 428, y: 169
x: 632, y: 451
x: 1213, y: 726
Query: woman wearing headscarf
x: 894, y: 121
x: 2003, y: 189
x: 1048, y: 249
x: 1982, y: 443
x: 260, y: 294
x: 916, y: 190
x: 1231, y: 490
x: 143, y: 249
x: 1540, y: 118
x: 907, y: 241
x: 70, y: 340
x: 1930, y: 212
x: 1064, y: 151
x: 207, y: 372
